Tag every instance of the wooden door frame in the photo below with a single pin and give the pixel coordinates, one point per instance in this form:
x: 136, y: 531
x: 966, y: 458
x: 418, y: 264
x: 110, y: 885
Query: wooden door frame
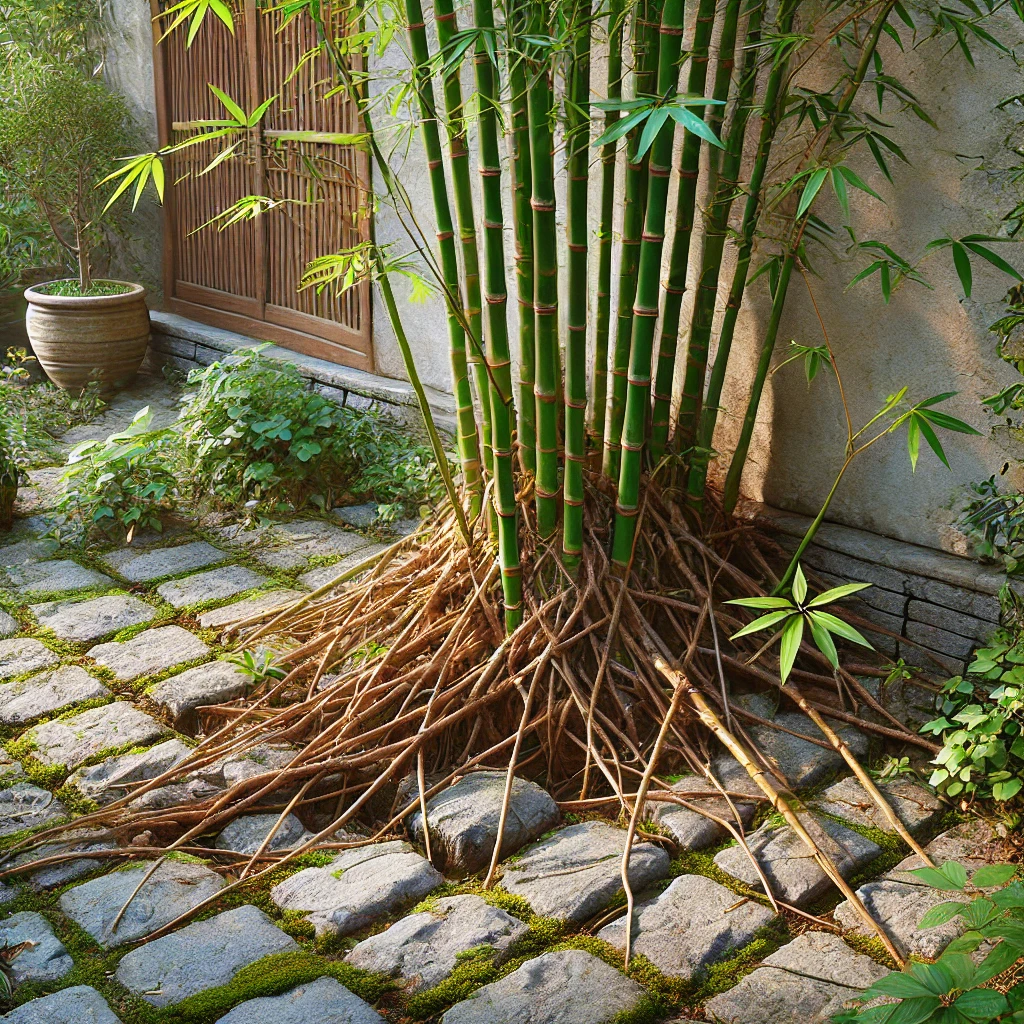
x: 286, y: 327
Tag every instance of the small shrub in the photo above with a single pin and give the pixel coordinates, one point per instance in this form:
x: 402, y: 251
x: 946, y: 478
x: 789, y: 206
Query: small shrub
x: 957, y: 988
x: 254, y: 435
x: 982, y: 751
x: 119, y: 485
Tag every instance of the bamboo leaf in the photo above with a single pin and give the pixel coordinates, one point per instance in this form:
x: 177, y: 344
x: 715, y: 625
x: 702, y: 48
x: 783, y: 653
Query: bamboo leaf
x: 913, y: 442
x: 886, y: 279
x: 837, y: 594
x: 158, y: 177
x: 761, y: 602
x: 994, y: 258
x: 962, y: 263
x: 839, y: 187
x: 792, y: 634
x: 622, y: 127
x: 811, y: 189
x: 654, y: 125
x: 692, y: 123
x: 823, y: 641
x: 947, y: 422
x: 836, y: 625
x: 230, y: 105
x: 930, y: 437
x: 197, y: 20
x: 857, y: 182
x: 764, y: 622
x: 257, y: 115
x: 799, y: 585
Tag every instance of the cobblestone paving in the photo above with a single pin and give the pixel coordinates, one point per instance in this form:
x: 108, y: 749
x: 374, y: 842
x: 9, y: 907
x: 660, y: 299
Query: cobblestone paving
x: 106, y: 665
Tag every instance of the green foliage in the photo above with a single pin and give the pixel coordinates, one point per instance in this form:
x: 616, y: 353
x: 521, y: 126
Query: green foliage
x: 45, y: 100
x: 74, y: 288
x: 253, y: 432
x: 791, y: 616
x: 119, y: 485
x: 994, y: 520
x: 982, y: 751
x: 258, y: 666
x: 957, y: 988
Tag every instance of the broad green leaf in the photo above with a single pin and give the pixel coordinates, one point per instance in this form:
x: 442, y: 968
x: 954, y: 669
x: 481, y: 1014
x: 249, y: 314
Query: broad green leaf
x: 901, y: 986
x: 992, y: 875
x: 1006, y: 790
x: 837, y: 594
x: 915, y: 1010
x: 942, y: 879
x: 692, y: 123
x: 941, y: 914
x: 792, y: 634
x: 981, y: 1004
x: 823, y: 641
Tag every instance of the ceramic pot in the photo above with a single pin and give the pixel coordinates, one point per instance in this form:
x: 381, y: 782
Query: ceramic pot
x: 83, y: 338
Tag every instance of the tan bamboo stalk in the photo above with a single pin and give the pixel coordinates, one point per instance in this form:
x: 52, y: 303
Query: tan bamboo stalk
x: 778, y: 800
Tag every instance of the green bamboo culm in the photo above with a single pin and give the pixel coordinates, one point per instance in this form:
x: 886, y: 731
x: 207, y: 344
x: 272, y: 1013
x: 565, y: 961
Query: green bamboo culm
x: 739, y: 458
x: 522, y: 219
x: 645, y: 309
x: 773, y: 105
x: 603, y: 316
x: 469, y: 449
x: 686, y: 202
x: 499, y: 359
x: 716, y: 221
x: 645, y: 43
x: 545, y: 288
x: 577, y: 108
x: 462, y: 189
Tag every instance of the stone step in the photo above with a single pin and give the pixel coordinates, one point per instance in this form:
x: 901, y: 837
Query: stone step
x: 247, y: 834
x: 464, y: 821
x: 44, y: 959
x: 57, y: 577
x: 212, y: 585
x: 200, y: 956
x: 787, y: 862
x: 24, y: 806
x: 145, y: 566
x: 807, y: 981
x: 73, y: 741
x: 324, y: 1001
x: 213, y: 683
x: 22, y: 655
x: 112, y: 779
x: 358, y: 887
x: 575, y: 873
x: 151, y: 651
x: 256, y: 605
x: 92, y: 619
x: 694, y: 923
x: 173, y: 889
x: 567, y: 987
x: 61, y: 872
x: 47, y: 692
x: 423, y: 949
x: 75, y: 1005
x: 916, y: 807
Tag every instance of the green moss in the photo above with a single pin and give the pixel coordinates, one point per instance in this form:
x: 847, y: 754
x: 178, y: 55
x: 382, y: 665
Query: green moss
x: 727, y: 973
x: 496, y: 897
x: 872, y: 946
x: 74, y: 801
x: 473, y: 969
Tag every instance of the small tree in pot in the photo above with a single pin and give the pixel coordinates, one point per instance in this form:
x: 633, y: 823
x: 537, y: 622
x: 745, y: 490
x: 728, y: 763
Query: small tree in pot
x: 61, y: 130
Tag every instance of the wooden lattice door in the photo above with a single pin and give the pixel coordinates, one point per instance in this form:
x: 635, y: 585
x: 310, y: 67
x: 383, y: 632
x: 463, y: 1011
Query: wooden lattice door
x: 246, y: 277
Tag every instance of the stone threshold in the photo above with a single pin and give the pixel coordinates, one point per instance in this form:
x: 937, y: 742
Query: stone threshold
x: 182, y: 343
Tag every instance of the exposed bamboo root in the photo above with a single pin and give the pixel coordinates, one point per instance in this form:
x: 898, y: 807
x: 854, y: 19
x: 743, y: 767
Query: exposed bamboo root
x: 424, y: 686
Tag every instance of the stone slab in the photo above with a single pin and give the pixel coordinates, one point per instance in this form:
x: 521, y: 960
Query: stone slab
x: 359, y: 517
x: 464, y: 820
x: 82, y: 621
x: 575, y: 873
x: 941, y: 640
x: 10, y: 770
x: 80, y: 840
x: 787, y: 862
x: 246, y: 834
x: 915, y: 806
x: 23, y: 655
x: 116, y: 776
x: 173, y: 889
x: 72, y: 741
x: 567, y: 987
x: 324, y: 1001
x: 358, y: 887
x: 949, y: 620
x: 213, y: 585
x: 8, y: 625
x: 692, y: 830
x: 212, y: 683
x: 77, y: 1005
x: 26, y: 806
x: 694, y: 923
x: 55, y: 577
x: 42, y: 492
x: 201, y: 955
x: 807, y: 981
x: 423, y: 949
x: 142, y: 567
x: 46, y: 692
x: 151, y: 651
x: 293, y: 544
x: 320, y: 577
x: 258, y: 604
x: 33, y: 549
x: 45, y: 960
x: 981, y: 606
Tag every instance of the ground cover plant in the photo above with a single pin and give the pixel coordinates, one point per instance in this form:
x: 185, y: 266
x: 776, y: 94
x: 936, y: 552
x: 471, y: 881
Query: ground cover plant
x: 568, y: 613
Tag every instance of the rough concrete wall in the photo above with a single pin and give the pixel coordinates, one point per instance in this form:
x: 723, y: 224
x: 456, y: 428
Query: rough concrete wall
x: 930, y: 340
x: 128, y: 67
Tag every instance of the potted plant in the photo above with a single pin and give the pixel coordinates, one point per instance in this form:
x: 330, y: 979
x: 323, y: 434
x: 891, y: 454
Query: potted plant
x: 61, y: 130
